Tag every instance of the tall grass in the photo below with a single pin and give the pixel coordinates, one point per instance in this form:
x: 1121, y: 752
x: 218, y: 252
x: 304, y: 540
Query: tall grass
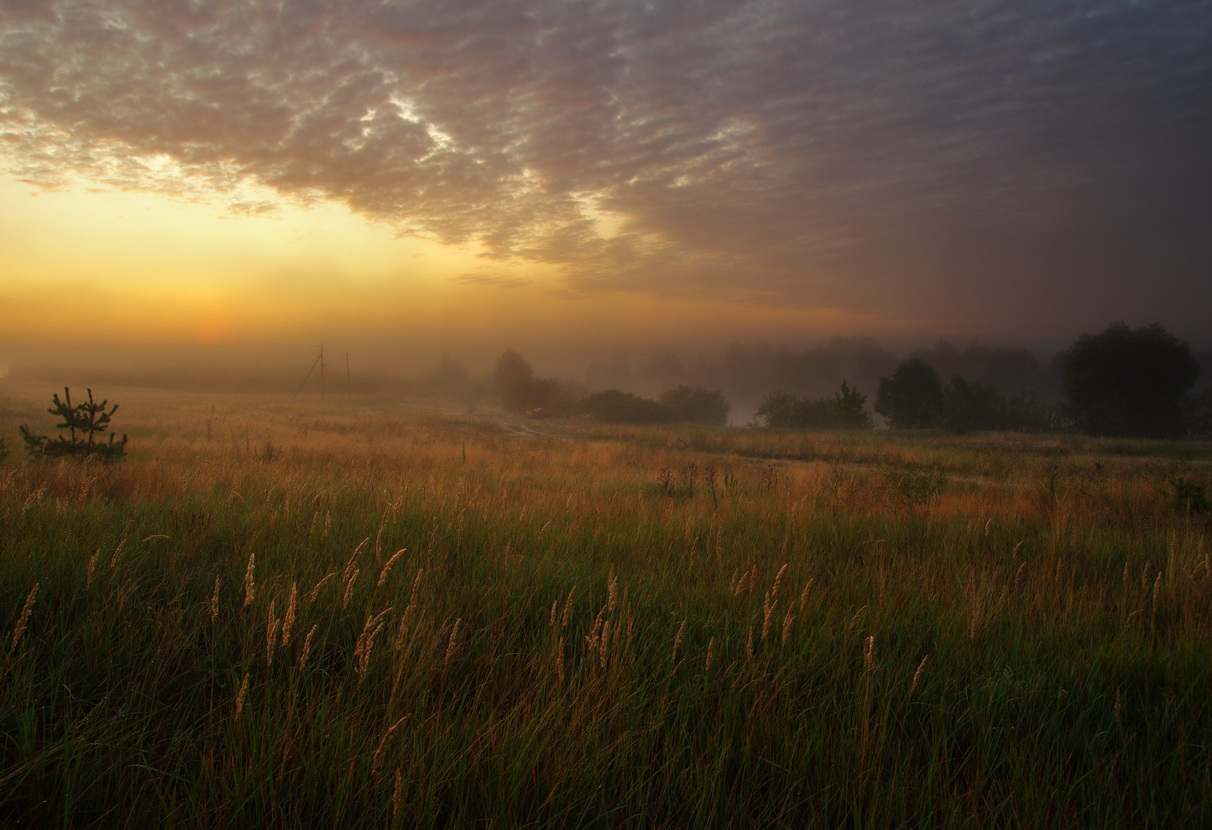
x: 336, y: 617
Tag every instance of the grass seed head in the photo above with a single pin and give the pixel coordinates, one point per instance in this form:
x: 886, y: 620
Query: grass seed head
x: 452, y: 645
x: 381, y: 750
x: 778, y: 579
x: 677, y: 643
x: 917, y: 675
x: 250, y: 581
x: 567, y: 608
x: 311, y: 597
x: 804, y: 594
x: 240, y: 696
x: 23, y: 620
x: 307, y: 647
x: 288, y: 623
x: 349, y: 586
x: 383, y: 574
x: 214, y: 601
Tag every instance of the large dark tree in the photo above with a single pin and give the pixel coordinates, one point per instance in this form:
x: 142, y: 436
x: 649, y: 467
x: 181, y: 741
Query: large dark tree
x: 1129, y: 381
x: 912, y: 398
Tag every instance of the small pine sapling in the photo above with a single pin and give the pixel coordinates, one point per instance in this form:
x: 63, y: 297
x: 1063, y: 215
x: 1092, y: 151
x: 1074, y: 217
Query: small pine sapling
x: 85, y: 422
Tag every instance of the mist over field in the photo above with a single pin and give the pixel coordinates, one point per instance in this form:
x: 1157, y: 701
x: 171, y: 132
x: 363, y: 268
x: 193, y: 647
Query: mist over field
x: 554, y: 414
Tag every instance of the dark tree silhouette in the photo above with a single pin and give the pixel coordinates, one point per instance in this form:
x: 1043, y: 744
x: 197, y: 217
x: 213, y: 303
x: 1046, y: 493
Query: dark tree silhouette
x: 850, y: 408
x: 1126, y: 381
x: 613, y: 406
x: 912, y: 398
x: 845, y: 410
x: 970, y: 405
x: 513, y: 381
x: 85, y: 423
x: 696, y: 405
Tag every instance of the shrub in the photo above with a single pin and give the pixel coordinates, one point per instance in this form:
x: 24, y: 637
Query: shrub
x: 614, y: 406
x: 845, y: 410
x: 696, y: 405
x: 1189, y: 498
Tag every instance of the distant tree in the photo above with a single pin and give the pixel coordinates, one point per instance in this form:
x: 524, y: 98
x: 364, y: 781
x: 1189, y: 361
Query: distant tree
x: 780, y: 410
x: 912, y: 398
x: 1126, y: 381
x: 617, y: 407
x: 845, y: 410
x: 553, y: 396
x: 850, y: 408
x: 1025, y: 412
x: 696, y: 405
x: 1200, y: 414
x: 513, y: 381
x: 449, y: 375
x: 970, y: 405
x: 450, y: 379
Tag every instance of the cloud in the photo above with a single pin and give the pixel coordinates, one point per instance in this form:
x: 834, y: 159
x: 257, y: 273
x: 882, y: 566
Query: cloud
x: 890, y: 156
x: 495, y: 280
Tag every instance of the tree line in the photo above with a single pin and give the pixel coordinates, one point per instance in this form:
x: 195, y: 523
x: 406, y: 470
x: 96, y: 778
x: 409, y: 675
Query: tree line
x: 1121, y: 381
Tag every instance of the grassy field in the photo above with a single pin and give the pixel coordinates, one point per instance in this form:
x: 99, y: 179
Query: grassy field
x: 356, y: 613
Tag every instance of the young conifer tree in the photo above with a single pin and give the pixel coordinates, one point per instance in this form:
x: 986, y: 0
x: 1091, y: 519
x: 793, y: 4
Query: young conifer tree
x: 84, y: 422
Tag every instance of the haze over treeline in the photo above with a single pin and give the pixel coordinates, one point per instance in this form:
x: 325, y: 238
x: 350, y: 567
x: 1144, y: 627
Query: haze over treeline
x: 745, y: 371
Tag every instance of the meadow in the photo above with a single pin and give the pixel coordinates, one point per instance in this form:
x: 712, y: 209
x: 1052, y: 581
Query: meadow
x: 351, y: 612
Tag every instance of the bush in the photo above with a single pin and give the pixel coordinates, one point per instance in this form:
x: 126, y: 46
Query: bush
x: 696, y: 405
x: 614, y: 406
x: 845, y: 410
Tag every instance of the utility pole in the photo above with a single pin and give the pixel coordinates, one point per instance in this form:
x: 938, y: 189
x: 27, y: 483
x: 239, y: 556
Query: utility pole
x: 319, y: 361
x: 321, y: 371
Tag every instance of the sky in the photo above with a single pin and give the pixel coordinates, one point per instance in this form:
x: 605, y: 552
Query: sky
x: 438, y: 174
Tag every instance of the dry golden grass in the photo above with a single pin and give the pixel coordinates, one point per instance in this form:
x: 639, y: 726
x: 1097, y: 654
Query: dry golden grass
x: 536, y: 622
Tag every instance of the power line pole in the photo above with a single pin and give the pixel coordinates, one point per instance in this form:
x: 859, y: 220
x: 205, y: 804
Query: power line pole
x: 322, y: 364
x: 317, y: 362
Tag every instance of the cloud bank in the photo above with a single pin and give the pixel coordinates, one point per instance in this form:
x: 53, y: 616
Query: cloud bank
x: 989, y: 158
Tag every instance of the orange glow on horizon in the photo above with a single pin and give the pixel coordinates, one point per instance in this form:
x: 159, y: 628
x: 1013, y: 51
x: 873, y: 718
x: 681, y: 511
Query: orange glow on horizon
x: 132, y: 269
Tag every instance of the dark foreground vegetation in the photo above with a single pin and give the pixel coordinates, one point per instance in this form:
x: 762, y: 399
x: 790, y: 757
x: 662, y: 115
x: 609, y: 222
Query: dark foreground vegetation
x: 266, y: 615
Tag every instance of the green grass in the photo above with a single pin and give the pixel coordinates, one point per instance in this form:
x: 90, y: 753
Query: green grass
x: 565, y: 642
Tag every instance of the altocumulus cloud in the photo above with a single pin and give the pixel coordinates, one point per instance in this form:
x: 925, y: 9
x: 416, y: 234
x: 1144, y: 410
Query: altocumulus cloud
x: 939, y: 158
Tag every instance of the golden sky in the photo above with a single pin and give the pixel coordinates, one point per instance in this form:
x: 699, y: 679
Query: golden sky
x: 422, y: 177
x: 130, y: 267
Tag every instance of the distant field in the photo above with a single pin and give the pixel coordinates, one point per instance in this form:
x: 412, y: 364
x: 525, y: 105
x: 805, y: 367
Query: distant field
x: 359, y: 613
